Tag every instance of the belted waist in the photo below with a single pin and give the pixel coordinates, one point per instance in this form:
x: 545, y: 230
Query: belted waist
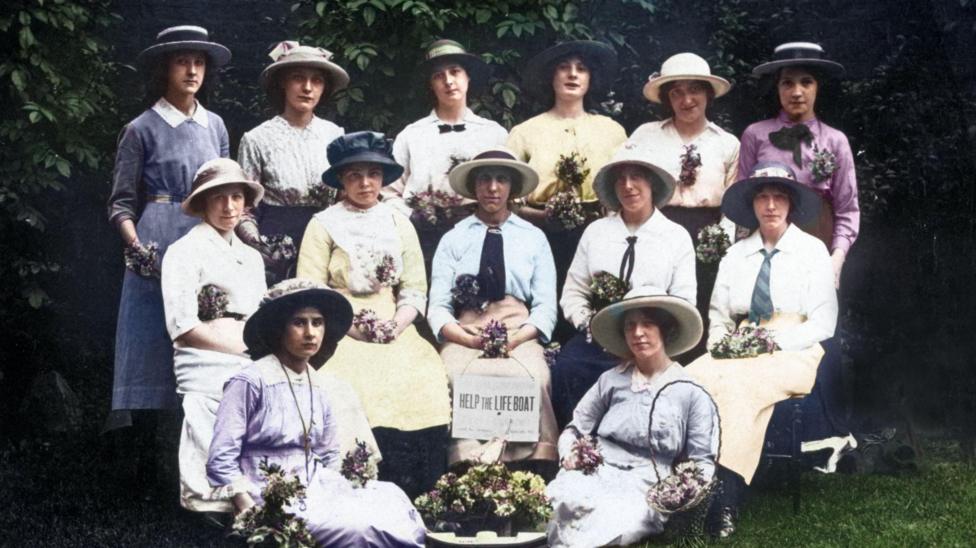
x: 163, y: 198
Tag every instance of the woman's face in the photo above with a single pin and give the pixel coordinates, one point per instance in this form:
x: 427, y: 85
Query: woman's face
x: 185, y: 72
x: 362, y: 182
x: 492, y: 187
x: 797, y: 93
x: 688, y: 100
x: 449, y: 82
x: 633, y: 188
x: 303, y: 334
x: 571, y: 79
x: 642, y: 334
x: 771, y: 205
x: 223, y: 207
x: 303, y: 89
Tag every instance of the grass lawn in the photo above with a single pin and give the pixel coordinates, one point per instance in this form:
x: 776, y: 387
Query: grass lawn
x: 65, y: 493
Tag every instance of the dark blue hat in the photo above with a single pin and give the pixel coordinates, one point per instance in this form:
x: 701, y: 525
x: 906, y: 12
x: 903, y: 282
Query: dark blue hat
x: 362, y: 146
x: 737, y: 200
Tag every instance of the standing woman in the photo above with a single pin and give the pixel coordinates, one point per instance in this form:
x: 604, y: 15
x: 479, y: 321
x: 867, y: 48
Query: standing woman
x: 568, y: 78
x: 369, y: 252
x: 819, y: 154
x: 158, y: 154
x: 286, y: 154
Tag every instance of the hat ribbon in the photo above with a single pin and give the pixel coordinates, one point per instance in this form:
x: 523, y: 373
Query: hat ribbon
x: 792, y: 138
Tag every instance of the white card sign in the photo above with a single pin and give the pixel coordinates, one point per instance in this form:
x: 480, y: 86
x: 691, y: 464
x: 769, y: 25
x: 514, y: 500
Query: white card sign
x: 496, y: 407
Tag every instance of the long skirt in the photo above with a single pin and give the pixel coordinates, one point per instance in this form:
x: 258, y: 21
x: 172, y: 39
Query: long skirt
x: 143, y: 377
x: 577, y: 368
x: 527, y: 360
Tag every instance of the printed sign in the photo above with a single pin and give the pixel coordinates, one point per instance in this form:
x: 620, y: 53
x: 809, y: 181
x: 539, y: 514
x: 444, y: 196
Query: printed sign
x: 496, y: 407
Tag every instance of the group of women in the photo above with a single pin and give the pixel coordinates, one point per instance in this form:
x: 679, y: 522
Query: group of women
x: 332, y: 355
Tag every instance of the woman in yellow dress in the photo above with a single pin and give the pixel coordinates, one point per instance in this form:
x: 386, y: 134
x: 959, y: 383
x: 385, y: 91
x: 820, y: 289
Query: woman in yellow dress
x: 370, y: 253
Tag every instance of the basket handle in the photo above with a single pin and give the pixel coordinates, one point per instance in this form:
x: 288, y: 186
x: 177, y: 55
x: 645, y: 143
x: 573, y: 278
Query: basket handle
x: 650, y: 421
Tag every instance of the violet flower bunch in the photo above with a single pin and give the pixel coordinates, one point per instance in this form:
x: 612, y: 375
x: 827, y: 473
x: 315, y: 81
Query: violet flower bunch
x: 682, y: 490
x: 433, y: 207
x: 746, y: 341
x: 713, y: 242
x: 358, y: 466
x: 606, y: 289
x: 690, y: 162
x: 373, y: 328
x: 279, y: 247
x: 585, y: 454
x: 572, y: 171
x: 824, y: 164
x: 269, y: 524
x: 465, y: 294
x: 143, y: 259
x: 386, y: 271
x: 321, y: 195
x: 494, y: 340
x: 551, y: 352
x: 212, y: 303
x: 566, y: 209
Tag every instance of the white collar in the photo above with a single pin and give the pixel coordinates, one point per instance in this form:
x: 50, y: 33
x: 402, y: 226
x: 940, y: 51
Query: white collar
x: 468, y: 117
x: 640, y: 382
x: 652, y: 224
x: 174, y: 116
x: 787, y: 242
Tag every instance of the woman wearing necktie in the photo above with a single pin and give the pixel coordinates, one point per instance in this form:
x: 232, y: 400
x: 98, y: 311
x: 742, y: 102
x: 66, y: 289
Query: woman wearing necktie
x: 819, y: 154
x: 511, y: 262
x: 779, y: 278
x: 638, y: 245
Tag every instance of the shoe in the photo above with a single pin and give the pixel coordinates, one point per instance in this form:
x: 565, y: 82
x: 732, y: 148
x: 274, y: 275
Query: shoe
x: 839, y: 446
x: 726, y: 522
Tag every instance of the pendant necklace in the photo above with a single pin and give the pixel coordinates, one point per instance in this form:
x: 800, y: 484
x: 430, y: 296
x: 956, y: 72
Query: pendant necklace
x: 306, y: 430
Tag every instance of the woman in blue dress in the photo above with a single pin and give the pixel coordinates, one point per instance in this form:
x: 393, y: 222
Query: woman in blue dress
x: 158, y: 154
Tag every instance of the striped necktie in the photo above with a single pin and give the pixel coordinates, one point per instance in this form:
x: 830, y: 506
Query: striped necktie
x: 761, y: 307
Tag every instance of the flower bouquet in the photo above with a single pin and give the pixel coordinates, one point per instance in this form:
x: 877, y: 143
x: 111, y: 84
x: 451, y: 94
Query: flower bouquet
x: 565, y: 207
x: 683, y: 497
x: 280, y: 248
x: 321, y: 195
x: 551, y: 352
x: 269, y: 525
x: 211, y: 303
x: 433, y: 207
x: 586, y: 453
x: 824, y: 164
x: 143, y: 259
x: 485, y: 496
x: 358, y: 466
x: 606, y: 289
x: 465, y: 294
x: 373, y: 328
x: 690, y: 162
x: 746, y: 341
x: 713, y: 242
x: 494, y: 340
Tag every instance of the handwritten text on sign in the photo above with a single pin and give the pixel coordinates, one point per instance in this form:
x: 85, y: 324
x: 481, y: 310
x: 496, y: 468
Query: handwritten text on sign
x: 496, y: 407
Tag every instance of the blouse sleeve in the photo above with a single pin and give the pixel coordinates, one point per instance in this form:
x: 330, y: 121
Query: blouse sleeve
x: 315, y: 253
x: 576, y: 291
x: 249, y: 157
x: 413, y: 281
x: 327, y: 447
x: 683, y: 283
x: 587, y: 415
x: 543, y: 286
x: 393, y: 193
x: 843, y: 188
x: 719, y: 308
x: 123, y: 204
x: 702, y: 432
x: 224, y: 140
x: 517, y: 144
x: 748, y: 151
x: 180, y: 282
x: 241, y: 397
x: 440, y: 311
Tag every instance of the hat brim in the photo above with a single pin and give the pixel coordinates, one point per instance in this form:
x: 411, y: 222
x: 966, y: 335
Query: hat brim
x: 478, y: 70
x: 190, y: 206
x: 599, y: 57
x: 218, y: 54
x: 652, y: 89
x: 459, y: 176
x: 737, y: 201
x: 333, y: 306
x: 832, y: 68
x: 662, y: 184
x: 391, y: 170
x: 608, y: 330
x: 338, y: 77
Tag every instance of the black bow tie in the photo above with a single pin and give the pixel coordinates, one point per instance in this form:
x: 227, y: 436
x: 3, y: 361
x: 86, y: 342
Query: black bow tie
x: 447, y: 128
x: 792, y: 138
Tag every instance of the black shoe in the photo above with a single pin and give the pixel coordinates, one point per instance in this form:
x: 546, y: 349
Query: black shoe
x: 726, y: 522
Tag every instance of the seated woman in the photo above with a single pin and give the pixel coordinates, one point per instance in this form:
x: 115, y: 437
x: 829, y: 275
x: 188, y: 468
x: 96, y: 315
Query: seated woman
x: 608, y: 506
x: 517, y: 283
x: 276, y: 410
x: 208, y: 344
x: 637, y: 244
x: 781, y: 278
x: 369, y: 252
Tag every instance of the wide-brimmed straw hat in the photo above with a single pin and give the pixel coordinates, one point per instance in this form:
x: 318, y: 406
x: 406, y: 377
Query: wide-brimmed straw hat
x: 444, y: 51
x: 283, y: 300
x: 662, y: 183
x: 737, y: 200
x: 608, y: 324
x: 460, y: 176
x: 215, y: 173
x: 361, y: 146
x: 683, y: 66
x: 289, y: 54
x: 598, y: 56
x: 185, y: 38
x: 792, y: 54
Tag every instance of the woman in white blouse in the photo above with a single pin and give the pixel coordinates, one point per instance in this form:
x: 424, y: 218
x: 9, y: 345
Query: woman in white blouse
x: 208, y: 342
x: 286, y: 154
x: 780, y: 278
x: 638, y: 245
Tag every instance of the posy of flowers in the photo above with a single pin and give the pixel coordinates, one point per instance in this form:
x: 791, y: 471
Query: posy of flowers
x: 143, y: 259
x: 268, y: 524
x: 358, y: 466
x: 433, y: 207
x: 824, y: 164
x: 321, y: 195
x: 682, y: 490
x: 279, y: 247
x: 494, y: 340
x: 746, y: 341
x: 465, y: 295
x: 585, y: 453
x: 565, y: 206
x: 211, y: 303
x: 606, y: 289
x: 373, y: 328
x: 690, y: 162
x: 713, y: 242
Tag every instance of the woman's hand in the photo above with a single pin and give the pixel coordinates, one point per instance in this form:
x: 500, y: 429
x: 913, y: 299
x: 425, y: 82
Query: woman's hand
x: 568, y: 463
x: 127, y: 229
x: 467, y: 336
x: 356, y: 334
x: 221, y: 335
x: 532, y: 214
x: 525, y: 333
x: 837, y: 260
x: 404, y: 316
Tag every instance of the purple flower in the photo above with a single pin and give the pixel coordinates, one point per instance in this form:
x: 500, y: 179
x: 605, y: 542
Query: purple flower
x: 684, y: 489
x: 572, y: 171
x: 280, y: 247
x: 211, y: 303
x: 586, y: 454
x: 270, y: 520
x: 321, y: 195
x: 565, y: 208
x: 386, y: 271
x: 690, y: 162
x: 433, y: 206
x: 357, y: 467
x: 551, y: 352
x: 494, y: 340
x: 143, y: 259
x: 373, y: 328
x: 465, y: 294
x: 713, y: 242
x: 746, y: 341
x: 824, y: 164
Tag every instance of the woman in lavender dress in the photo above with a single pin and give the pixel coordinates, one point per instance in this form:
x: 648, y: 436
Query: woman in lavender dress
x: 275, y: 409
